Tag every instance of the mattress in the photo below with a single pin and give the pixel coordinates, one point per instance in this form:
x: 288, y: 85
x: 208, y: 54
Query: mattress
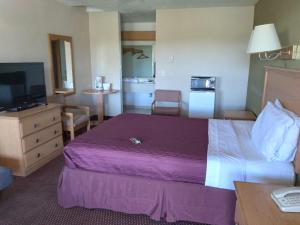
x: 232, y: 157
x: 173, y: 148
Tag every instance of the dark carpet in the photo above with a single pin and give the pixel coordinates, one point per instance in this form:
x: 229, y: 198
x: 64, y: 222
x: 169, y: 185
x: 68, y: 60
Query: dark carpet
x: 32, y: 201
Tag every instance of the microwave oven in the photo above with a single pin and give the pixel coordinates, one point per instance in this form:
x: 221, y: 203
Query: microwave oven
x: 203, y: 83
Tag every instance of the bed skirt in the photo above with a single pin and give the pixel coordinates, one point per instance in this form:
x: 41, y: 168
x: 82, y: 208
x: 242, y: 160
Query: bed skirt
x: 172, y: 201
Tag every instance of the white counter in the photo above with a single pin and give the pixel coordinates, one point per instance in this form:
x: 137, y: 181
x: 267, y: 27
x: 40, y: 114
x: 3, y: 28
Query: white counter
x: 138, y: 92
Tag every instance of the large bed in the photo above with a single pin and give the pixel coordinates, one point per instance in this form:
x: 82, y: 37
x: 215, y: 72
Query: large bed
x: 184, y: 168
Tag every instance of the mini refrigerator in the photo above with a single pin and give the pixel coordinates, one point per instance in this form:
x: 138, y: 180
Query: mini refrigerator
x: 202, y: 97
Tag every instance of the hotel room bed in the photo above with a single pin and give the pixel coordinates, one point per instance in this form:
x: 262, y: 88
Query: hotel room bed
x: 183, y: 170
x: 164, y: 177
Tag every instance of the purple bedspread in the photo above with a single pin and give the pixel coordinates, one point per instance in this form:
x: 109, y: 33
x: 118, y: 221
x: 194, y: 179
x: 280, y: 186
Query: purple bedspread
x: 172, y: 148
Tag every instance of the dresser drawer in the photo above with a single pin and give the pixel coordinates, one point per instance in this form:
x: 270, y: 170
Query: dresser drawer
x: 41, y: 137
x: 40, y: 121
x: 43, y: 151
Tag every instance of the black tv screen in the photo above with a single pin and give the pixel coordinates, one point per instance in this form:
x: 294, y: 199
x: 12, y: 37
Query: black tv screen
x: 22, y: 85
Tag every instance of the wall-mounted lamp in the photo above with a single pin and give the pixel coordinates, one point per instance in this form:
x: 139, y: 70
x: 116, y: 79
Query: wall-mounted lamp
x: 264, y: 41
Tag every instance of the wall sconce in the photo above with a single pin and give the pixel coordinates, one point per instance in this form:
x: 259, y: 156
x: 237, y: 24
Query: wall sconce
x: 264, y: 41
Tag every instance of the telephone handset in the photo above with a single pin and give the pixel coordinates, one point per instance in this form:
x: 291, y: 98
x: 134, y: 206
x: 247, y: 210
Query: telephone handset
x: 287, y: 199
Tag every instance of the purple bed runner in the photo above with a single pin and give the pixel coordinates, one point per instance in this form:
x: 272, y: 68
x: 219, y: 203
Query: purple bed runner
x: 172, y: 148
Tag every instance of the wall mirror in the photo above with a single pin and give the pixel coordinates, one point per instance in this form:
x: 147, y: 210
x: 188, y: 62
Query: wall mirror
x: 138, y: 61
x: 62, y: 66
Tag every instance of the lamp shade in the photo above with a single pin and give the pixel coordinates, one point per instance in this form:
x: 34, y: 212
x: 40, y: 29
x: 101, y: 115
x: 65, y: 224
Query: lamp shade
x: 264, y: 38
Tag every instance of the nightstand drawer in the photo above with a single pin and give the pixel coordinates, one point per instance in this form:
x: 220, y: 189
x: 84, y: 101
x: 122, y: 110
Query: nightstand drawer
x: 43, y: 151
x: 35, y: 123
x: 41, y: 137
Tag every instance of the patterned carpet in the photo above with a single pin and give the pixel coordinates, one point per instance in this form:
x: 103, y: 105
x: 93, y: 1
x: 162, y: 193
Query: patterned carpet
x: 32, y: 201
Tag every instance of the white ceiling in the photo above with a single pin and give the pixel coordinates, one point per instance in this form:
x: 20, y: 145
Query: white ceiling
x: 144, y: 10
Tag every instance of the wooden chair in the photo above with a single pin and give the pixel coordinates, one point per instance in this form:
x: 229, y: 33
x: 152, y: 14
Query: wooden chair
x: 74, y: 117
x: 166, y: 96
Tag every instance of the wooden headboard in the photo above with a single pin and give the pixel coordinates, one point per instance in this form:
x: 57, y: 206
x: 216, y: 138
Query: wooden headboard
x: 284, y: 84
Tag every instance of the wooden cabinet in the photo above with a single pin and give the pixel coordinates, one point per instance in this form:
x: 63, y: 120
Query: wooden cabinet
x: 31, y: 138
x: 256, y: 207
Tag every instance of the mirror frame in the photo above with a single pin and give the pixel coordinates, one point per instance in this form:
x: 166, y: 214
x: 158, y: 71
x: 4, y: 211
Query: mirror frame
x: 56, y: 37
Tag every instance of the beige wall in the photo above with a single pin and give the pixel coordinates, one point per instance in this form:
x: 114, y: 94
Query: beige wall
x: 286, y: 17
x: 105, y: 45
x: 205, y: 41
x: 24, y: 28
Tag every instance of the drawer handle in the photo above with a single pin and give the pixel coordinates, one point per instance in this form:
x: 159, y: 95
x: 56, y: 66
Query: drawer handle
x: 38, y: 155
x: 37, y: 140
x: 54, y: 118
x: 35, y: 125
x: 55, y: 132
x: 56, y: 145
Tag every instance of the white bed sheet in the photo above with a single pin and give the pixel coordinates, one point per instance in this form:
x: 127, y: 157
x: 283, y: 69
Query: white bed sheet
x: 232, y: 157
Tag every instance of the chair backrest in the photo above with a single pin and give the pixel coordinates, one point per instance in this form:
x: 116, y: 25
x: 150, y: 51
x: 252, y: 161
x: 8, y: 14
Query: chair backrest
x: 57, y: 99
x: 167, y: 96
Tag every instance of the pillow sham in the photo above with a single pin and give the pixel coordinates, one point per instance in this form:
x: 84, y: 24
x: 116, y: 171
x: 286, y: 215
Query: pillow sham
x: 268, y: 132
x: 288, y: 149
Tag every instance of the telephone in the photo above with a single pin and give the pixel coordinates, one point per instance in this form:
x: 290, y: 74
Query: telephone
x: 287, y: 199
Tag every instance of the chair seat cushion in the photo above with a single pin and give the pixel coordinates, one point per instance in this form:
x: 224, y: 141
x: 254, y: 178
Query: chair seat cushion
x: 5, y: 177
x: 78, y: 119
x: 171, y: 111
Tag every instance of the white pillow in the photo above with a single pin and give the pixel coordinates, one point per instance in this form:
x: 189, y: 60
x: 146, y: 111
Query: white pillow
x: 288, y: 149
x: 268, y: 132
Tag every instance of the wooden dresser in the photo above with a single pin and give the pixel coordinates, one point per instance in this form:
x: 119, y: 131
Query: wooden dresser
x: 30, y: 138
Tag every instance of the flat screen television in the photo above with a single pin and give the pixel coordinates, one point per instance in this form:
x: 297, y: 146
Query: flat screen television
x: 22, y: 86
